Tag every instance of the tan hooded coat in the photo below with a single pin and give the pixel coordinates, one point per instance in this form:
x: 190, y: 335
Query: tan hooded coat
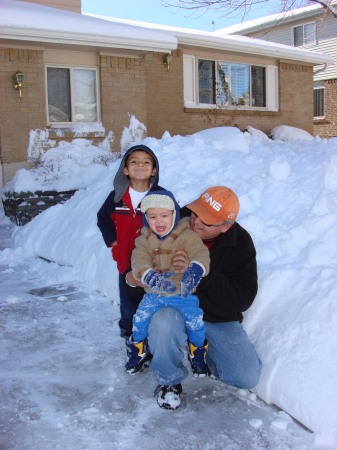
x: 154, y: 253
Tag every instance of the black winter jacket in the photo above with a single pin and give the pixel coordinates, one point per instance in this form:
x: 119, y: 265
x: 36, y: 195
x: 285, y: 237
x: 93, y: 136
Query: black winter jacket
x: 231, y: 285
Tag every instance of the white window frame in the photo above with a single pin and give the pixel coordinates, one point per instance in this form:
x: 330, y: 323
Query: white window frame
x: 303, y: 25
x: 320, y: 86
x: 191, y: 87
x: 71, y: 69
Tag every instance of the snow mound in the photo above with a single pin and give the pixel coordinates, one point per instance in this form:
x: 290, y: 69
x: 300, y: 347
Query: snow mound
x: 287, y: 133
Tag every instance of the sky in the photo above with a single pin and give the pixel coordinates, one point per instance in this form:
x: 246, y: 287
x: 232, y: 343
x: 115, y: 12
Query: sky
x: 63, y: 359
x: 153, y: 11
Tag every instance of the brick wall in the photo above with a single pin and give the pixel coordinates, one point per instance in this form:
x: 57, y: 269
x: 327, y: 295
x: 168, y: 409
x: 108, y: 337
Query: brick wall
x: 18, y: 117
x: 296, y: 101
x: 165, y: 101
x: 139, y: 86
x: 327, y: 127
x: 123, y: 93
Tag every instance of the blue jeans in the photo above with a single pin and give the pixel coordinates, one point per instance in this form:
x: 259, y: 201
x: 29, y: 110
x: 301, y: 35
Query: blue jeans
x: 231, y: 356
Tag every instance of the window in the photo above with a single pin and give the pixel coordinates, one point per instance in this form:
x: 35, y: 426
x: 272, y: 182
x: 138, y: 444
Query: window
x: 231, y: 84
x: 72, y: 95
x: 304, y: 34
x: 319, y: 102
x: 209, y: 83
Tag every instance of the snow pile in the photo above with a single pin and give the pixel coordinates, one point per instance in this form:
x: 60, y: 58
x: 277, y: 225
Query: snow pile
x: 66, y: 166
x: 287, y: 191
x: 287, y: 133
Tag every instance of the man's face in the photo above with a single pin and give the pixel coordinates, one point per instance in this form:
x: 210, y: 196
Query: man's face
x: 207, y: 232
x: 139, y: 166
x: 160, y: 220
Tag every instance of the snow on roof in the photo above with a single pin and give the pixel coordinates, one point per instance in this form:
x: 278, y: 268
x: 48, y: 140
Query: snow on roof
x: 260, y: 23
x: 243, y: 44
x: 32, y: 22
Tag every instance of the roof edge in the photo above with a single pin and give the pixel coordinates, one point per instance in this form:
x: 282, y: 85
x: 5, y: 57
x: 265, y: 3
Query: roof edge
x: 82, y: 39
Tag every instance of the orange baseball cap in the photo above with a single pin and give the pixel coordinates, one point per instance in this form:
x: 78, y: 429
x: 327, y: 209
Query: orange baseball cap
x: 215, y: 205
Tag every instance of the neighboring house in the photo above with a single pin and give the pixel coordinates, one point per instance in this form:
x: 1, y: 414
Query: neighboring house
x: 312, y: 28
x: 81, y: 69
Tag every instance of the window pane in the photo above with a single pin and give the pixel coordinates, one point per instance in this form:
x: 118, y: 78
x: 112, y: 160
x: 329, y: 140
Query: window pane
x: 206, y: 82
x: 319, y: 102
x: 85, y: 95
x: 298, y: 36
x: 223, y: 94
x: 258, y: 86
x: 59, y: 108
x: 239, y: 84
x: 309, y: 32
x: 232, y: 84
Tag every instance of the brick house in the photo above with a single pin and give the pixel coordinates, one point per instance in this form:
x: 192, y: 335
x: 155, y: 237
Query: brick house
x: 85, y: 69
x: 312, y: 28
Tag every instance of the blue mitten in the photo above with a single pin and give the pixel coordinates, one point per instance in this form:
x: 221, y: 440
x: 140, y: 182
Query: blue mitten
x: 158, y: 282
x: 191, y: 278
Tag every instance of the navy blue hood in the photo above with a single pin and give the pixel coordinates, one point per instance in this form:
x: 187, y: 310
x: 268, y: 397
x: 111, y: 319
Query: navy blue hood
x: 160, y: 199
x: 121, y: 181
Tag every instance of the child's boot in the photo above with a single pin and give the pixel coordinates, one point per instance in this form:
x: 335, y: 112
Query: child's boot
x: 197, y: 358
x: 138, y: 353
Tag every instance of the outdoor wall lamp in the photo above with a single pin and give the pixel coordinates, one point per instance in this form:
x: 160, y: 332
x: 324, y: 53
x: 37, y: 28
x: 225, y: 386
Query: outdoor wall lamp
x: 18, y: 80
x: 167, y: 60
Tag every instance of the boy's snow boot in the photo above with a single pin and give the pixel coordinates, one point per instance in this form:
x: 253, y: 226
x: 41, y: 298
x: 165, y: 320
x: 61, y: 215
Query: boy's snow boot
x: 168, y: 397
x: 197, y: 358
x: 138, y: 354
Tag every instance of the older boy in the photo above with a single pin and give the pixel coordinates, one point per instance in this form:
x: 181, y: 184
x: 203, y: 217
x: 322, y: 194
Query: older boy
x: 120, y: 221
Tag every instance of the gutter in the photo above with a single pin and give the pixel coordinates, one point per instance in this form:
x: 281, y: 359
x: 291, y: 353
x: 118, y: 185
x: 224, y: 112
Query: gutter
x: 248, y: 45
x: 90, y: 41
x: 321, y: 69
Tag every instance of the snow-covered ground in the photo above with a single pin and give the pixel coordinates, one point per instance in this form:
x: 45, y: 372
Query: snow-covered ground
x: 64, y: 386
x: 62, y: 363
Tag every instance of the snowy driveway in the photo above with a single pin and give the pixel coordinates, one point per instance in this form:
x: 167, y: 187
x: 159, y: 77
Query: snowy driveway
x: 64, y: 387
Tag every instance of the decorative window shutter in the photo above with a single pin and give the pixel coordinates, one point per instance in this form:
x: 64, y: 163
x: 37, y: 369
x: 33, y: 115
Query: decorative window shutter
x: 189, y: 80
x: 272, y: 88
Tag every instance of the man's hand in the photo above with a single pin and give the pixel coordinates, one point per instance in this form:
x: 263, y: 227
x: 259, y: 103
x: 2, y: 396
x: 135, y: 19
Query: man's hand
x: 131, y: 280
x: 180, y: 262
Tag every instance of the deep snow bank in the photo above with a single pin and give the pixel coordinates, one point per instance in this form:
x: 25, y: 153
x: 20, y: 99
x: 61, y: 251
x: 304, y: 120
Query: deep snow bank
x: 288, y: 201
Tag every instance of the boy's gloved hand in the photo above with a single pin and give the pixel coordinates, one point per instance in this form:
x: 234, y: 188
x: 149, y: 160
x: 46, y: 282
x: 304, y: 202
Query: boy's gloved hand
x: 191, y: 278
x: 158, y: 282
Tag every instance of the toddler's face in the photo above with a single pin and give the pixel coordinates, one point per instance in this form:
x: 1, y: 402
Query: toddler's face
x: 160, y: 220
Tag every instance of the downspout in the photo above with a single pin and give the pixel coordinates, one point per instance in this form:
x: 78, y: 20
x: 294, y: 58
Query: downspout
x: 321, y: 70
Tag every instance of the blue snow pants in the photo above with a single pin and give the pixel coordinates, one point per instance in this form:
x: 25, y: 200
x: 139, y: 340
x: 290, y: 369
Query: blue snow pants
x: 188, y: 307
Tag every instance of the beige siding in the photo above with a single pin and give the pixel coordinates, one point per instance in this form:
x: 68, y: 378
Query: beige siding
x: 329, y: 47
x: 281, y: 35
x: 326, y: 27
x: 326, y: 40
